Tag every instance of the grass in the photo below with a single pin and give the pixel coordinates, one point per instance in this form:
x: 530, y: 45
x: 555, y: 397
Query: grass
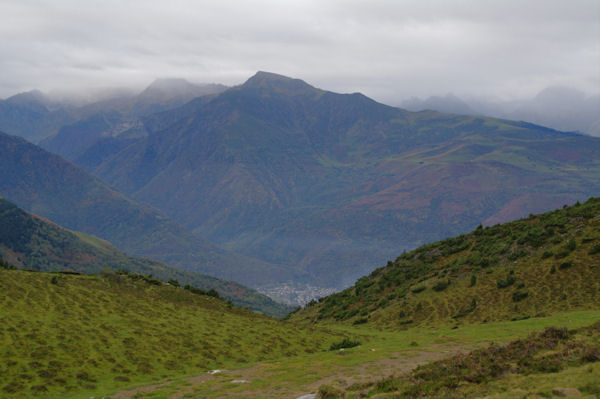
x: 92, y: 335
x: 72, y: 336
x: 499, y: 369
x: 89, y: 333
x: 304, y: 373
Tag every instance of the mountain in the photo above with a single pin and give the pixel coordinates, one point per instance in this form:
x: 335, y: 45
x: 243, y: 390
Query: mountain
x: 33, y: 243
x: 36, y: 116
x: 330, y: 185
x: 449, y: 103
x: 49, y: 186
x: 559, y: 107
x: 85, y: 336
x: 32, y: 115
x: 527, y: 268
x: 105, y: 127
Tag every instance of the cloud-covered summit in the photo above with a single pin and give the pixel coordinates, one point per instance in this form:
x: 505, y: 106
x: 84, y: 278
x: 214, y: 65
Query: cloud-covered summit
x: 388, y: 50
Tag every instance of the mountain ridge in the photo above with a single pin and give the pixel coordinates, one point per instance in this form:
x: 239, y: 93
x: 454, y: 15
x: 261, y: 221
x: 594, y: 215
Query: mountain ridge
x: 47, y: 185
x: 302, y: 175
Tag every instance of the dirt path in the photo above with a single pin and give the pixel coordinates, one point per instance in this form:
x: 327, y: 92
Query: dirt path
x: 207, y: 384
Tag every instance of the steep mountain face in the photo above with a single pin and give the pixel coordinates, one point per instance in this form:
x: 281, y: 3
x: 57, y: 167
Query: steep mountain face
x: 335, y: 184
x: 51, y: 187
x: 33, y: 243
x: 530, y: 267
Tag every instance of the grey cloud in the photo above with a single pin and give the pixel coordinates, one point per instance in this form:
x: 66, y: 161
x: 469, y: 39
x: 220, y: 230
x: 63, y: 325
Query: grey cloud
x: 389, y: 50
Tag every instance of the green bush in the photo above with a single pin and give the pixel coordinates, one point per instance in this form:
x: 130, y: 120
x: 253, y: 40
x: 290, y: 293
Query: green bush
x: 510, y: 280
x: 565, y: 265
x: 563, y: 253
x: 418, y: 289
x: 343, y: 344
x: 473, y: 280
x: 518, y: 296
x: 441, y: 285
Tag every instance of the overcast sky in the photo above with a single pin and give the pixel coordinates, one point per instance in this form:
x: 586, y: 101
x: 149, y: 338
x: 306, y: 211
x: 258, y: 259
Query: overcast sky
x: 388, y: 50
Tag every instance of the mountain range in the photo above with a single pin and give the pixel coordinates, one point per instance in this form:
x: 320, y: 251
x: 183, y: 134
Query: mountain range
x: 559, y: 107
x: 320, y: 186
x: 35, y: 115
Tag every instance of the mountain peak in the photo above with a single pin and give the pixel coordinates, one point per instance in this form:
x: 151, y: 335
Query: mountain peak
x: 28, y: 98
x: 269, y: 80
x: 165, y: 89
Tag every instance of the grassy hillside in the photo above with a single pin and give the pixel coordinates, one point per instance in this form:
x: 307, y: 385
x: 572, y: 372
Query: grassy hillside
x: 30, y: 242
x: 530, y: 267
x: 65, y: 335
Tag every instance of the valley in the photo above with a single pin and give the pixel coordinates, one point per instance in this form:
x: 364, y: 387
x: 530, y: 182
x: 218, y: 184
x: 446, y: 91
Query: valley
x: 120, y: 336
x: 225, y: 199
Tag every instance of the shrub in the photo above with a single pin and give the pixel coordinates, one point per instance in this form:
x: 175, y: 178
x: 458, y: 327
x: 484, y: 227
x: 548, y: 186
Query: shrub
x: 595, y: 249
x: 510, y: 280
x: 571, y: 245
x: 343, y: 344
x: 547, y: 254
x: 466, y: 310
x: 518, y: 296
x: 441, y: 285
x: 362, y: 320
x: 565, y: 265
x: 418, y: 289
x: 563, y: 253
x: 174, y: 282
x: 473, y: 280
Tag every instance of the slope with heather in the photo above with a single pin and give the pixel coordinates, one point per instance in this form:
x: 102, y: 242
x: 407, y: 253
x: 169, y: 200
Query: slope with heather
x: 526, y: 268
x: 33, y: 243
